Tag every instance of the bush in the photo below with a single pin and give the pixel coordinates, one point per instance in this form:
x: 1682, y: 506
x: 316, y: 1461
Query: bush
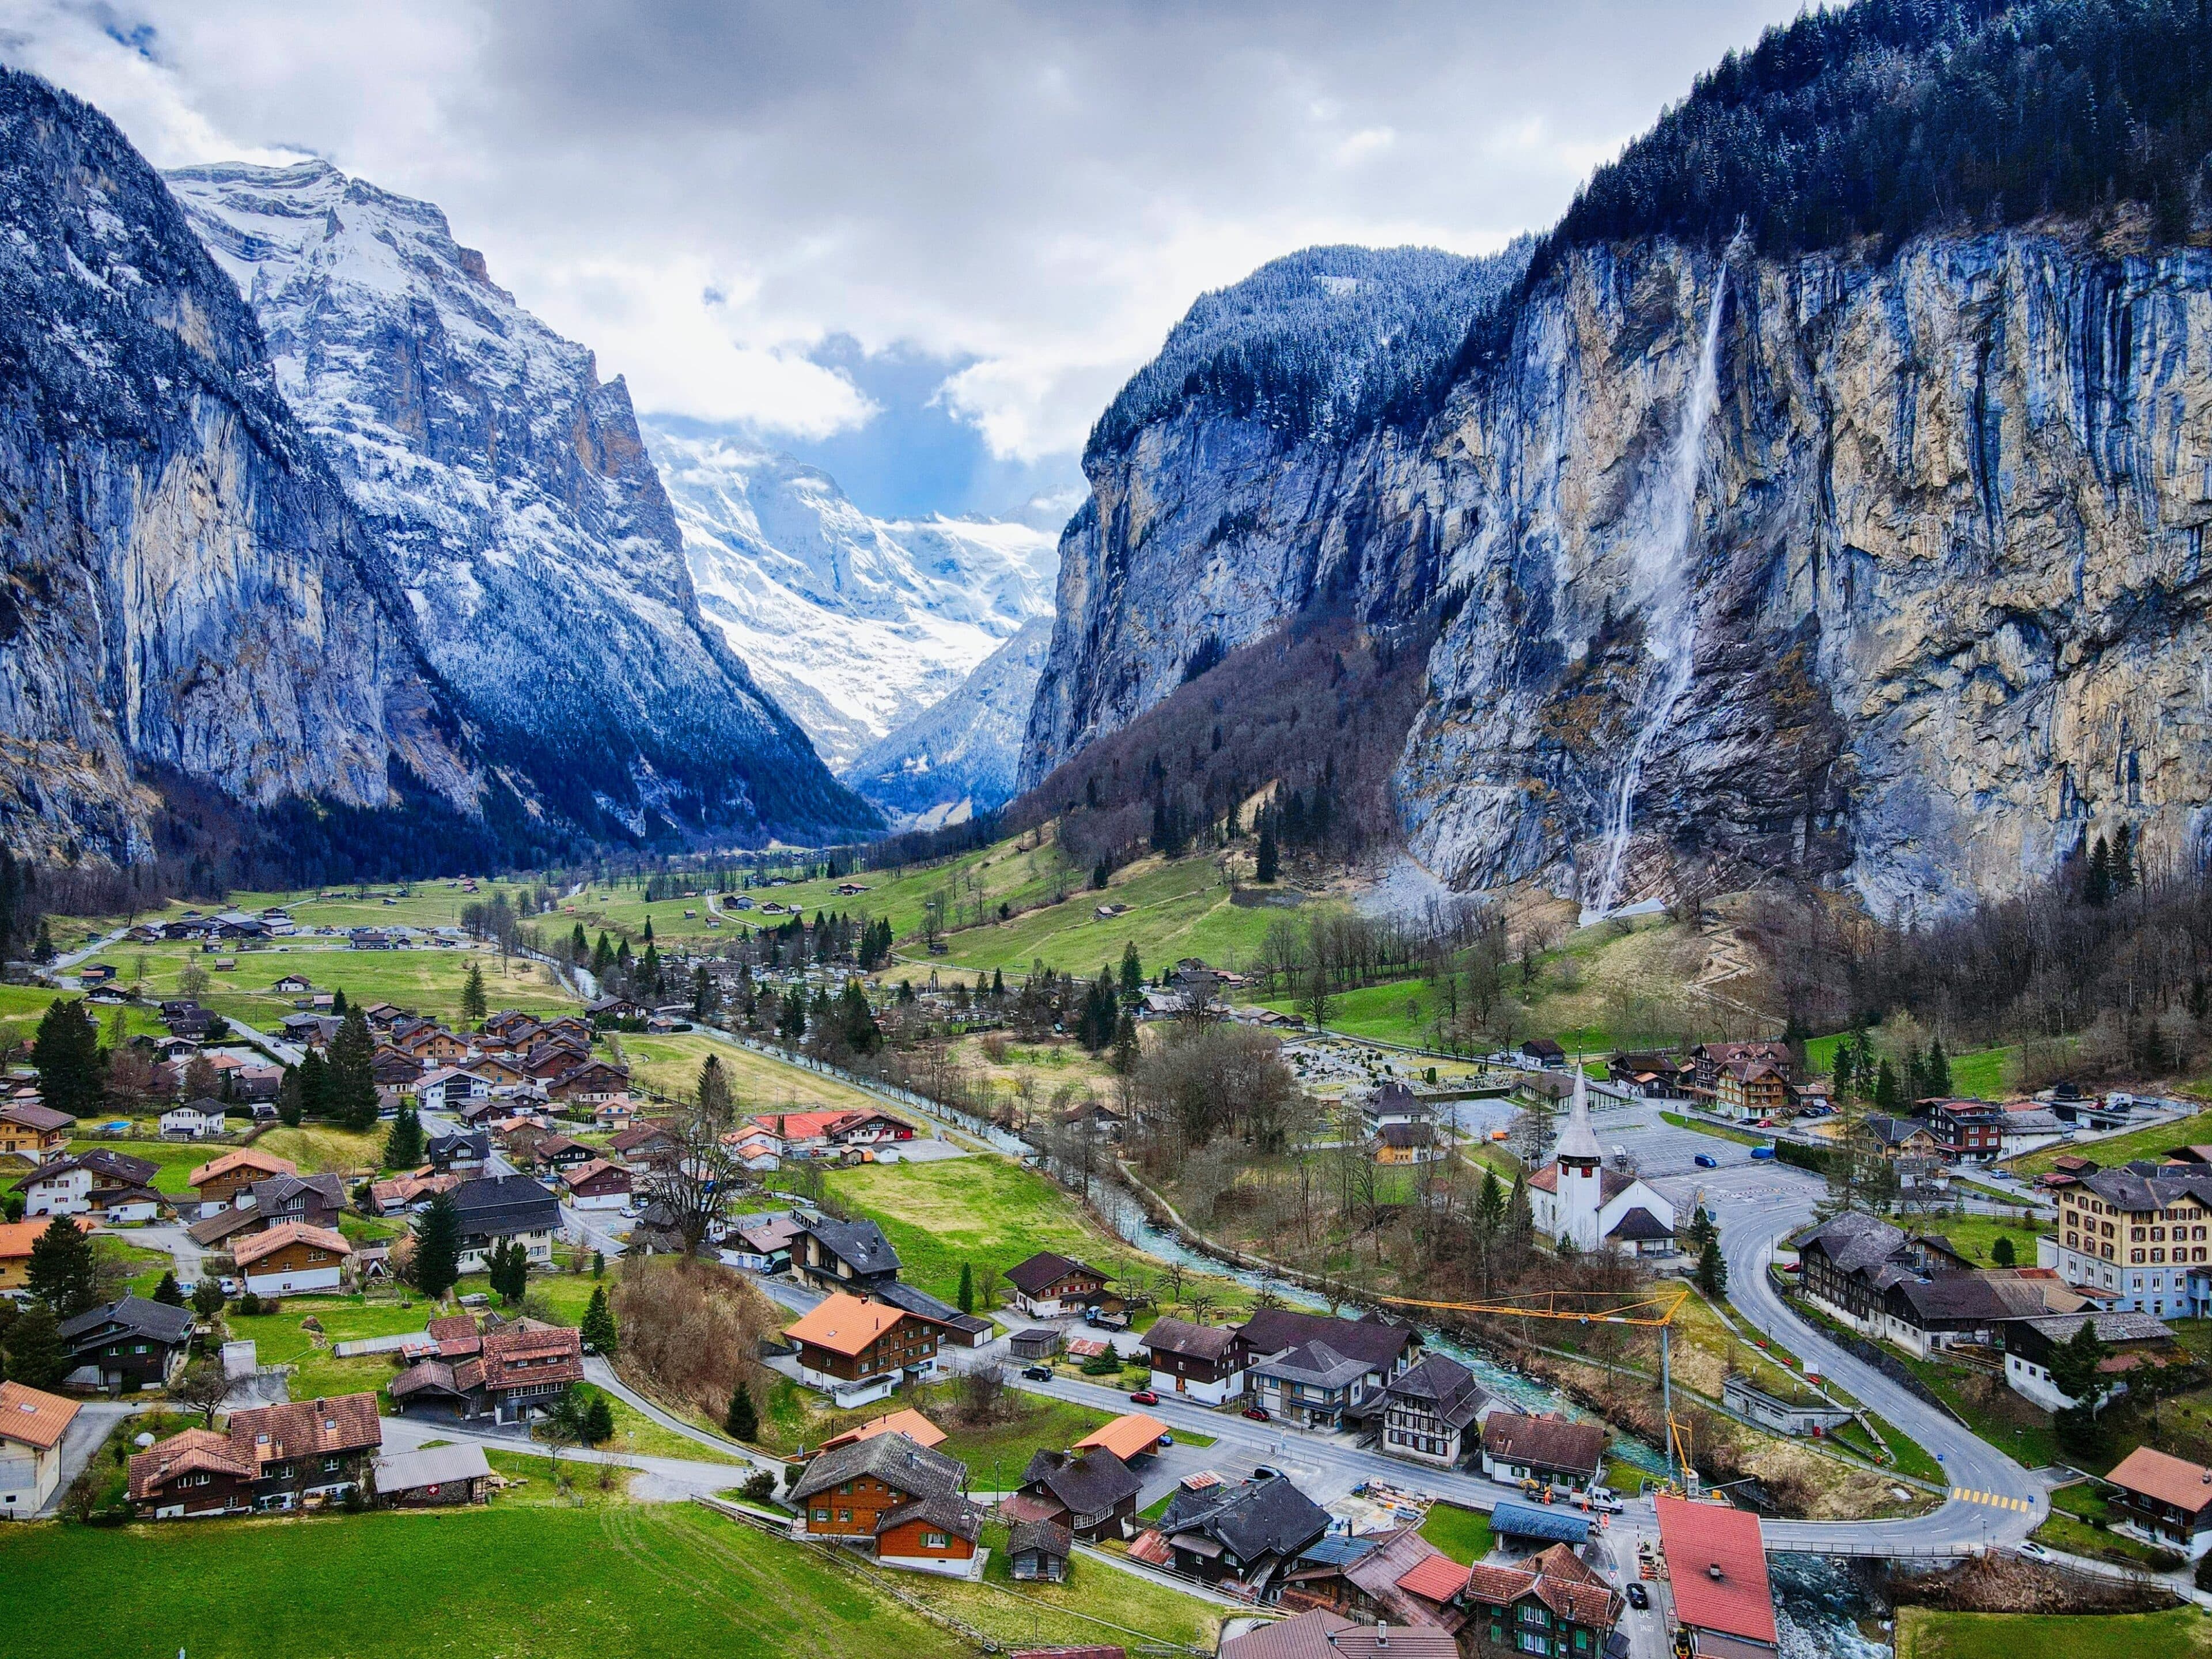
x: 760, y: 1486
x: 691, y: 1328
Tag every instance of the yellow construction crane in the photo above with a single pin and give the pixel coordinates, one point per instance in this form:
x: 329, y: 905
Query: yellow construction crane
x: 1654, y: 1308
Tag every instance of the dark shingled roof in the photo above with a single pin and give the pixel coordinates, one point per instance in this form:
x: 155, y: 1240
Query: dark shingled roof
x: 1444, y: 1387
x: 1047, y: 1537
x: 1180, y: 1336
x: 1254, y: 1519
x: 860, y: 1243
x: 1853, y: 1240
x: 157, y: 1321
x: 506, y: 1205
x: 1640, y: 1224
x: 945, y: 1510
x: 1550, y: 1442
x: 921, y: 1303
x: 1045, y: 1268
x: 1091, y: 1482
x: 1376, y: 1341
x: 900, y: 1463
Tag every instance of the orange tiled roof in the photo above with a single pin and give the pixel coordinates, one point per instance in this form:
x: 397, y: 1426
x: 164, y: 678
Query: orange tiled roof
x: 32, y: 1417
x: 844, y: 1324
x: 251, y: 1249
x: 244, y: 1158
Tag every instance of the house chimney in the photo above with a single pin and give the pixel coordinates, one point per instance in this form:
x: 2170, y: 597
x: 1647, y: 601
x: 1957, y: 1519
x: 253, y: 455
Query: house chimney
x: 1381, y: 1633
x: 1714, y: 1572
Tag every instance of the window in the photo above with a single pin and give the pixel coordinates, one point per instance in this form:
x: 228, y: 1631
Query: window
x: 935, y: 1541
x: 844, y: 1517
x: 823, y: 1516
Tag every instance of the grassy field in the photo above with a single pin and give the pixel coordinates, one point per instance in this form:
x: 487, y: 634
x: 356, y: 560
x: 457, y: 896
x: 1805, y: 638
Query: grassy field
x: 988, y: 1212
x: 1979, y: 1073
x: 670, y: 1066
x: 1098, y: 1604
x: 22, y: 1007
x: 2120, y: 1149
x: 317, y: 1147
x: 994, y: 1452
x: 1463, y: 1534
x: 1976, y: 1236
x: 428, y: 981
x: 552, y: 1581
x: 1742, y: 1137
x: 176, y: 1159
x: 1925, y: 1633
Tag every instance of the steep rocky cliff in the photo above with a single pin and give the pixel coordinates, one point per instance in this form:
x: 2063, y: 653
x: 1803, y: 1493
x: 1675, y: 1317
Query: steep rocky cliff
x: 1869, y: 551
x: 187, y: 591
x: 536, y: 547
x: 1942, y: 574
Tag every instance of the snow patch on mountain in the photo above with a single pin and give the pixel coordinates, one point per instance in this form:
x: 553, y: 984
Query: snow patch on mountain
x: 855, y: 624
x: 961, y: 755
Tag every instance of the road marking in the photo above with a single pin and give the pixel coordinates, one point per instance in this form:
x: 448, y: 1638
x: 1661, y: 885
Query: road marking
x: 1992, y: 1500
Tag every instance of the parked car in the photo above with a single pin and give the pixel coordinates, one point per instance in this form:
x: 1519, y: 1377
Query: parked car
x: 1638, y: 1597
x: 1145, y: 1397
x: 1706, y: 1161
x: 1257, y: 1413
x: 1763, y: 1153
x: 1037, y: 1373
x: 2028, y: 1546
x: 1266, y: 1472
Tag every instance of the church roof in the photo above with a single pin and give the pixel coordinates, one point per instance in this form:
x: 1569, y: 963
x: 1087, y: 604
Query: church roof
x: 1578, y: 1140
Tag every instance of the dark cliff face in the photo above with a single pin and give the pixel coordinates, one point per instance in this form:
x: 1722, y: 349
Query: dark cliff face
x: 1940, y: 586
x: 541, y: 558
x: 187, y: 589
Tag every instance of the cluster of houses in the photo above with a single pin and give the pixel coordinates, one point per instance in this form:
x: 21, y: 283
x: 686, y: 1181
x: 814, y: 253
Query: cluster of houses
x: 1917, y: 1293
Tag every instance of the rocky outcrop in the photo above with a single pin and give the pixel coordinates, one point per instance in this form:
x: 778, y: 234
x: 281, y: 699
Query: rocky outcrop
x: 958, y: 757
x: 184, y: 588
x: 1944, y: 567
x: 540, y: 554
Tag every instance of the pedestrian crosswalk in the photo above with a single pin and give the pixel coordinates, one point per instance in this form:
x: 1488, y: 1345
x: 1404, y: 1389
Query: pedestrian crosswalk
x: 1995, y: 1500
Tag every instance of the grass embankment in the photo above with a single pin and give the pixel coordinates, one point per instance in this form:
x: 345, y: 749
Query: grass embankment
x: 2152, y: 1143
x: 1926, y: 1633
x: 991, y: 1212
x: 670, y: 1066
x: 1463, y: 1534
x: 1097, y: 1605
x: 1742, y: 1137
x: 553, y: 1580
x: 1979, y: 1073
x: 2079, y: 1517
x: 995, y: 1453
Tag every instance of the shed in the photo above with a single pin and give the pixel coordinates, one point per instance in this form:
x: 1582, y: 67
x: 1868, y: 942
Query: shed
x: 435, y: 1476
x: 1040, y: 1551
x: 1547, y: 1522
x: 1038, y: 1342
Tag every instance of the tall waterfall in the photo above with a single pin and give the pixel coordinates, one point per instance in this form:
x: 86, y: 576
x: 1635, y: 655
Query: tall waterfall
x: 1665, y: 571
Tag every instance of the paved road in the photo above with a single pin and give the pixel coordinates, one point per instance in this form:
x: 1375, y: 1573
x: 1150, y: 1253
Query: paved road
x: 184, y: 1252
x: 666, y: 1477
x: 603, y: 1374
x: 588, y: 1227
x: 86, y: 1432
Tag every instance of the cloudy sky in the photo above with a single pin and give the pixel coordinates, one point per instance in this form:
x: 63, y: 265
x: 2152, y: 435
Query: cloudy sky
x: 921, y: 244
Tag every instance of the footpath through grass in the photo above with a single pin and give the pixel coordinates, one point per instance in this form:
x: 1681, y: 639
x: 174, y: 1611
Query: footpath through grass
x: 550, y: 1580
x: 1925, y: 1633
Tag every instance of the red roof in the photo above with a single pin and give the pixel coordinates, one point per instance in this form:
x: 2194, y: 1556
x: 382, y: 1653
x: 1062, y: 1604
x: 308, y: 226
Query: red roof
x: 2170, y: 1479
x: 1716, y: 1564
x: 1434, y: 1578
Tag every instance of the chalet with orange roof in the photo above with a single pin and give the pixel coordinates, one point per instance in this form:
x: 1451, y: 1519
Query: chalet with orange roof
x: 217, y: 1184
x: 1717, y: 1566
x: 16, y: 1239
x: 292, y: 1260
x: 32, y: 1425
x: 858, y: 1351
x: 906, y: 1421
x: 2165, y: 1500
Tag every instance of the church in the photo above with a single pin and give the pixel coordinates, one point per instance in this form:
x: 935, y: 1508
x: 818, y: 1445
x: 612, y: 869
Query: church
x: 1576, y: 1199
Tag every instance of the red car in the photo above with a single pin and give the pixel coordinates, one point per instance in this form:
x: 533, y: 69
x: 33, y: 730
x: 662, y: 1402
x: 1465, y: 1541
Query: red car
x: 1145, y: 1397
x: 1256, y: 1413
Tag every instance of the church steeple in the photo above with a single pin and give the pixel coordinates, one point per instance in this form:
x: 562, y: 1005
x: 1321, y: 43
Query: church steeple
x: 1578, y: 1143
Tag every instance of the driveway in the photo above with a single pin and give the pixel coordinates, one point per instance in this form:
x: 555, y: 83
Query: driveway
x: 86, y: 1432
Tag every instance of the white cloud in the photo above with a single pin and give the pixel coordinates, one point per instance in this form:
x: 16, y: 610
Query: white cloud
x: 1034, y: 191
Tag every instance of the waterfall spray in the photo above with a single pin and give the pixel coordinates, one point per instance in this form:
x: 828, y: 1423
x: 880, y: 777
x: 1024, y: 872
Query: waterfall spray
x: 1665, y: 570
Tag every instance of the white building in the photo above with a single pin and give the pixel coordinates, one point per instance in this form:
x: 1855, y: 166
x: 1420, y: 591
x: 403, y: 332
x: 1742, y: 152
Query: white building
x: 61, y: 1187
x: 1574, y: 1199
x: 190, y: 1122
x: 31, y: 1424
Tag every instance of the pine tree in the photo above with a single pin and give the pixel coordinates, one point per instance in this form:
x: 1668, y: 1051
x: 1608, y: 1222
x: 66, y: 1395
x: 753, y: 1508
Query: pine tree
x: 438, y: 1247
x: 37, y: 1357
x: 2001, y: 1252
x: 598, y: 1323
x: 1939, y: 1070
x: 648, y: 930
x: 742, y: 1421
x: 1712, y: 1269
x: 1126, y: 1049
x: 402, y: 1147
x: 1885, y: 1089
x: 2097, y: 880
x: 717, y: 1104
x: 603, y: 957
x: 1132, y: 970
x: 339, y: 1006
x: 1269, y: 860
x: 62, y: 1271
x: 966, y: 1297
x: 288, y: 1110
x: 2124, y: 860
x: 1101, y: 873
x: 352, y: 1074
x: 580, y: 947
x: 859, y: 1024
x: 998, y: 982
x: 314, y: 1084
x: 207, y: 1298
x: 168, y: 1292
x: 598, y: 1421
x: 2074, y: 1367
x: 67, y: 1055
x: 473, y: 1003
